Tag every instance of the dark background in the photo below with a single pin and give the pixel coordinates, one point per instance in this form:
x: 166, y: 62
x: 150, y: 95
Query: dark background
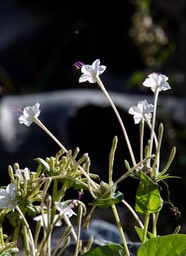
x: 41, y: 40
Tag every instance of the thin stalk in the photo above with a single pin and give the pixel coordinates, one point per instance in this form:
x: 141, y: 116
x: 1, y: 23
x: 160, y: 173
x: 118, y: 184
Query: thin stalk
x: 119, y: 119
x: 120, y: 229
x: 158, y: 142
x: 146, y: 225
x: 141, y: 138
x: 154, y: 225
x: 37, y: 232
x: 16, y: 232
x: 125, y: 175
x: 28, y: 230
x: 69, y: 224
x: 153, y: 120
x: 26, y: 241
x: 62, y: 239
x: 154, y: 134
x: 1, y: 236
x: 50, y: 220
x: 80, y: 214
x: 133, y: 213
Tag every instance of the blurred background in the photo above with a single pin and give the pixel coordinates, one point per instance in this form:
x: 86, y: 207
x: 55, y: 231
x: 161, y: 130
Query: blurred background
x: 39, y: 43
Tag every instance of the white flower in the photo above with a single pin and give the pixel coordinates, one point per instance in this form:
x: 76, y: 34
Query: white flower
x: 45, y: 218
x: 91, y: 71
x: 141, y: 111
x: 8, y: 197
x: 29, y: 113
x: 157, y: 81
x: 23, y: 173
x: 64, y: 209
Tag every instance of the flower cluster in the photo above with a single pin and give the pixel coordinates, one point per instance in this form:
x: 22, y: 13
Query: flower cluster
x: 41, y: 194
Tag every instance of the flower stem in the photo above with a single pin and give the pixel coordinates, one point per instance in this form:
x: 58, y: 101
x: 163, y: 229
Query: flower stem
x: 153, y: 121
x: 133, y: 213
x: 26, y: 241
x: 120, y: 229
x: 118, y: 117
x: 141, y: 138
x: 69, y: 224
x: 28, y: 229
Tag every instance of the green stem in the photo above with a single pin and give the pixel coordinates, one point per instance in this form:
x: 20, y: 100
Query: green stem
x: 26, y: 240
x: 69, y: 224
x: 120, y: 229
x: 1, y: 236
x: 26, y: 225
x: 50, y: 220
x: 79, y: 218
x: 16, y: 232
x: 146, y: 225
x: 154, y: 225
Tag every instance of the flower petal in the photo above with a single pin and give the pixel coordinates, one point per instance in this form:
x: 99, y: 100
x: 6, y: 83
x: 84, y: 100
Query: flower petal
x: 142, y: 110
x: 29, y: 113
x: 8, y: 197
x: 63, y: 208
x: 91, y: 71
x: 157, y: 81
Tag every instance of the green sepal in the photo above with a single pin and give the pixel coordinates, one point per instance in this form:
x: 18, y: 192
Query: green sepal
x: 106, y: 202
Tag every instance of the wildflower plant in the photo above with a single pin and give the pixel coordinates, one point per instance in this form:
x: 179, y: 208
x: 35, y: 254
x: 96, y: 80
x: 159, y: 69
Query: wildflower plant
x: 42, y: 194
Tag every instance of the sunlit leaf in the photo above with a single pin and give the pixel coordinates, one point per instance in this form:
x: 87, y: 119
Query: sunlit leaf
x: 108, y: 250
x: 171, y: 245
x: 140, y: 232
x: 148, y: 196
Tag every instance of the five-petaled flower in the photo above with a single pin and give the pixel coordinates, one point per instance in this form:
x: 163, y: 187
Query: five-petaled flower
x: 29, y: 114
x: 90, y: 72
x: 157, y: 82
x: 64, y: 209
x: 8, y: 197
x: 142, y: 110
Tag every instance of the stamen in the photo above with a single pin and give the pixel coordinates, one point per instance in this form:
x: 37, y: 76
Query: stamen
x: 17, y: 110
x: 78, y: 64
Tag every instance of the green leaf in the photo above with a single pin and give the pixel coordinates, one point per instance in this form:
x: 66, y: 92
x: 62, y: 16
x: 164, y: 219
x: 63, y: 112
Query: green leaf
x: 140, y: 232
x: 108, y: 250
x: 106, y: 202
x: 148, y: 196
x: 170, y: 245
